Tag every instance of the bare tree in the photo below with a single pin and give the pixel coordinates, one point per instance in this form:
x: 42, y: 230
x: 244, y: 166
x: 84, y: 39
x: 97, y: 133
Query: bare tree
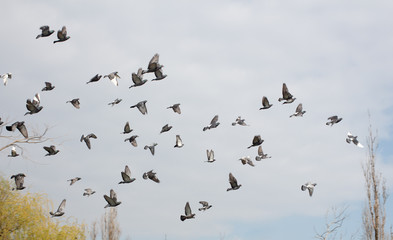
x: 334, y: 219
x: 110, y: 229
x: 93, y: 231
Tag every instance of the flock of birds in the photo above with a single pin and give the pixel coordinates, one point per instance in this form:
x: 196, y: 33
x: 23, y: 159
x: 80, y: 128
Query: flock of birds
x: 33, y: 106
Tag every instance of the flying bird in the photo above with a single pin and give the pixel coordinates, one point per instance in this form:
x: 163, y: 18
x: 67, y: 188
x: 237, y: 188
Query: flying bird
x: 165, y: 128
x: 247, y: 160
x: 265, y: 103
x: 154, y: 64
x: 13, y: 152
x: 113, y: 77
x: 75, y: 102
x: 45, y: 32
x: 88, y: 192
x: 96, y: 78
x: 86, y: 139
x: 48, y: 87
x: 233, y: 182
x: 151, y: 147
x: 261, y: 155
x: 5, y: 78
x: 286, y: 95
x: 213, y: 123
x: 62, y: 35
x: 159, y: 75
x: 333, y: 120
x: 240, y: 121
x: 299, y: 111
x: 256, y: 141
x: 51, y: 150
x: 210, y: 156
x: 137, y: 78
x: 111, y: 200
x: 116, y: 101
x: 354, y: 139
x: 19, y: 181
x: 74, y: 180
x: 126, y: 176
x: 141, y: 107
x: 60, y: 210
x: 151, y: 175
x: 179, y: 142
x: 309, y: 186
x: 188, y: 213
x: 132, y: 140
x: 205, y: 206
x: 175, y: 108
x: 20, y: 126
x: 127, y: 128
x: 33, y: 105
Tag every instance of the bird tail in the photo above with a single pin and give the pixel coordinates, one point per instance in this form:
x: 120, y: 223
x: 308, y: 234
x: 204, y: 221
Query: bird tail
x: 183, y: 218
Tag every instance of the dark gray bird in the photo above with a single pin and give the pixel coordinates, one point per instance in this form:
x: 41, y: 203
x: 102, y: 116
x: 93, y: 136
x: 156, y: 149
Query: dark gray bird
x: 261, y: 155
x: 126, y: 176
x: 309, y: 186
x: 159, y: 75
x: 48, y: 87
x: 45, y: 32
x: 205, y: 206
x: 127, y: 128
x: 62, y: 35
x: 20, y: 126
x: 299, y: 111
x: 265, y: 103
x: 151, y: 175
x: 188, y: 213
x: 88, y: 192
x: 213, y: 123
x: 116, y: 101
x: 5, y: 78
x: 132, y: 140
x: 175, y: 108
x: 240, y: 121
x: 111, y: 200
x: 179, y: 142
x: 151, y: 148
x: 113, y: 77
x: 256, y: 141
x: 51, y: 150
x: 210, y: 156
x: 286, y: 95
x: 13, y: 152
x: 137, y: 78
x: 247, y: 160
x: 141, y: 107
x: 19, y: 181
x: 333, y: 120
x: 33, y: 105
x: 74, y: 180
x: 154, y: 64
x: 354, y: 139
x: 87, y: 139
x: 165, y: 128
x: 96, y: 78
x: 233, y: 182
x: 60, y: 209
x: 75, y: 102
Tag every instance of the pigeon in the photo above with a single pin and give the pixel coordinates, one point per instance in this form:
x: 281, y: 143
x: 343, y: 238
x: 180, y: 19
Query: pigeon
x: 96, y: 78
x: 333, y: 120
x: 151, y: 175
x: 75, y: 102
x: 286, y: 95
x: 33, y: 105
x: 205, y: 206
x: 261, y: 155
x: 299, y: 111
x: 233, y: 182
x: 309, y: 186
x: 188, y: 213
x: 74, y: 180
x: 240, y: 121
x: 51, y: 150
x: 20, y: 126
x: 127, y: 128
x: 179, y: 142
x: 256, y: 141
x: 19, y: 181
x: 165, y: 128
x: 175, y: 108
x: 132, y: 140
x: 48, y: 87
x: 247, y: 160
x: 159, y: 75
x: 113, y: 77
x: 141, y: 107
x: 350, y: 138
x: 112, y: 200
x: 62, y: 35
x: 213, y: 123
x: 116, y: 101
x: 88, y: 192
x: 45, y: 32
x: 87, y: 139
x: 151, y: 148
x: 60, y: 209
x: 210, y: 156
x: 265, y: 103
x: 126, y: 176
x: 153, y: 64
x: 137, y: 78
x: 5, y: 78
x: 13, y: 152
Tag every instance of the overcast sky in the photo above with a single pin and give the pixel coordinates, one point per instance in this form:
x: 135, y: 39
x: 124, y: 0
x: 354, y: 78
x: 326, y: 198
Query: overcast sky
x: 221, y: 57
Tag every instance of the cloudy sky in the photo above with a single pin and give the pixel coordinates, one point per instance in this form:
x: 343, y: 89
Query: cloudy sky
x: 221, y: 57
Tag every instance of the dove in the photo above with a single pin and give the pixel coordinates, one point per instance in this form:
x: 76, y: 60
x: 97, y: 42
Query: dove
x: 299, y: 111
x: 286, y: 95
x: 213, y: 123
x: 151, y: 175
x: 74, y: 180
x: 45, y: 32
x: 88, y: 192
x: 48, y: 87
x: 126, y: 176
x: 333, y: 120
x: 60, y: 210
x: 75, y: 102
x: 141, y: 107
x: 179, y: 142
x: 51, y: 150
x: 205, y: 206
x: 111, y: 200
x: 188, y: 213
x: 151, y: 148
x: 113, y: 77
x: 132, y: 140
x: 308, y: 186
x: 256, y: 141
x: 62, y: 35
x: 19, y: 181
x: 86, y: 139
x: 265, y: 103
x: 233, y: 182
x: 354, y: 139
x: 175, y: 108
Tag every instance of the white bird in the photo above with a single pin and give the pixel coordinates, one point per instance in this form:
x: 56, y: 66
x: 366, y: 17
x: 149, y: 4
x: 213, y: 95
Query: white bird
x: 261, y: 155
x: 205, y: 206
x: 88, y: 192
x: 60, y: 210
x: 113, y: 77
x: 13, y: 152
x: 309, y: 186
x: 179, y: 142
x: 241, y: 121
x: 210, y: 156
x: 299, y: 111
x: 247, y: 160
x: 350, y: 138
x: 213, y: 123
x: 5, y: 78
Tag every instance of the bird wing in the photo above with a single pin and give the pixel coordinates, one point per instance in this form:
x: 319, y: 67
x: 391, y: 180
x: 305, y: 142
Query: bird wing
x: 87, y: 141
x: 113, y: 195
x: 61, y: 206
x: 140, y: 73
x: 204, y: 203
x: 187, y: 209
x: 178, y: 140
x: 125, y: 177
x: 127, y: 127
x: 256, y: 139
x: 92, y: 135
x: 22, y: 129
x: 48, y: 149
x: 64, y: 31
x: 265, y: 102
x: 127, y: 171
x: 30, y: 106
x: 136, y: 79
x: 19, y: 181
x: 232, y: 180
x: 285, y: 93
x: 214, y: 120
x: 333, y: 118
x: 109, y: 200
x: 299, y: 108
x: 158, y: 73
x: 153, y: 62
x: 260, y: 151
